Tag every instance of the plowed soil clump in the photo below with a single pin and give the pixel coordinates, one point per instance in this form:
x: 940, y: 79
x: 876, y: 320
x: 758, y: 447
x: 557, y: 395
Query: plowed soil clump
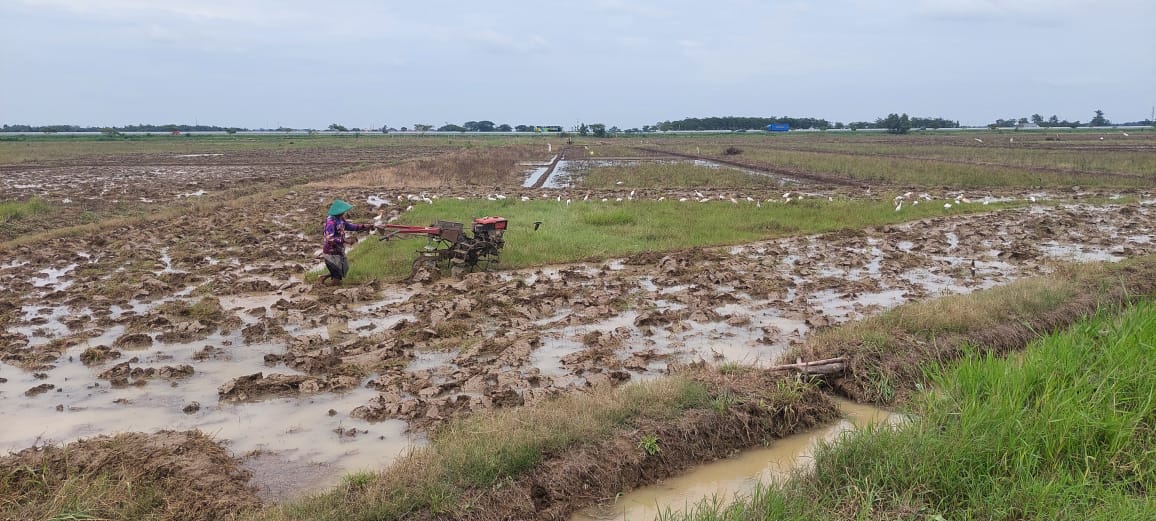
x: 175, y: 475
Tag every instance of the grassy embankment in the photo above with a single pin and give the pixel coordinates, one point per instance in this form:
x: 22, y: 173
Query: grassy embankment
x: 1064, y: 431
x: 470, y: 466
x: 593, y: 230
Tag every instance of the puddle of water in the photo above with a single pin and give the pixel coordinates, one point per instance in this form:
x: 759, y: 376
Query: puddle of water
x: 296, y: 432
x: 534, y: 176
x: 734, y: 476
x: 52, y: 276
x: 1079, y: 253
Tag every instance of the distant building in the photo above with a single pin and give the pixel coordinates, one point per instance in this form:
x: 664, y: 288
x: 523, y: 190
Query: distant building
x: 778, y: 127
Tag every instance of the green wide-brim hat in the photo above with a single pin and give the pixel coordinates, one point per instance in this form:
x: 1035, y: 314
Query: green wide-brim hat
x: 339, y: 207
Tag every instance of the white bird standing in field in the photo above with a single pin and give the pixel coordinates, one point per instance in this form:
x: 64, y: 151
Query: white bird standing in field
x: 758, y: 204
x: 698, y: 194
x: 631, y: 196
x: 662, y: 198
x: 750, y: 199
x: 619, y: 183
x: 682, y: 199
x: 500, y: 197
x: 899, y: 206
x: 733, y: 201
x: 1125, y: 134
x: 525, y: 198
x: 978, y: 140
x: 567, y: 202
x: 947, y: 205
x: 604, y: 199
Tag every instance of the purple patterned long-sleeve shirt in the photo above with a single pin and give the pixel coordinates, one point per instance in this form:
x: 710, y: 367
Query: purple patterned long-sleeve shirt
x: 335, y: 228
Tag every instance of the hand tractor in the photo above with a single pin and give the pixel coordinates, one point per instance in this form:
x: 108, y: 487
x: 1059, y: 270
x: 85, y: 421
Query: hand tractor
x: 449, y: 245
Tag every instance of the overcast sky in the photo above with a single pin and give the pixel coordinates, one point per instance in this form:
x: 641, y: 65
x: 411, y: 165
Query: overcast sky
x: 625, y: 63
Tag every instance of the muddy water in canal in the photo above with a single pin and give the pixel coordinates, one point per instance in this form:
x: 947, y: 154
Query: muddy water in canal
x: 737, y: 476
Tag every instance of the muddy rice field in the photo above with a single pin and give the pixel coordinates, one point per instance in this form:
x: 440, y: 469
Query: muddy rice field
x: 205, y: 319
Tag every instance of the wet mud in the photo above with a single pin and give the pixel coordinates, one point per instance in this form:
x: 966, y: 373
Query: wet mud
x: 206, y: 321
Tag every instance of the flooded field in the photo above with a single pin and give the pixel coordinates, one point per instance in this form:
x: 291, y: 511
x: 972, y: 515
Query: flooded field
x: 268, y: 371
x: 208, y: 319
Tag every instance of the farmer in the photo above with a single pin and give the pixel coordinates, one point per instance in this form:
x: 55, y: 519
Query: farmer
x: 334, y: 249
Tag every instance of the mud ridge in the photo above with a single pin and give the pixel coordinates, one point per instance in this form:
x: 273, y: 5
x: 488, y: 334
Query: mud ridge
x: 194, y: 476
x: 909, y: 355
x: 577, y: 478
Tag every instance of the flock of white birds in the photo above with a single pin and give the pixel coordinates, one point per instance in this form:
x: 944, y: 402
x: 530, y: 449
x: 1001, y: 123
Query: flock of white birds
x: 377, y: 202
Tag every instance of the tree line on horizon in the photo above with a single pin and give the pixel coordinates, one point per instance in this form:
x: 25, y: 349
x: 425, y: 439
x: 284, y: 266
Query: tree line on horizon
x: 894, y: 123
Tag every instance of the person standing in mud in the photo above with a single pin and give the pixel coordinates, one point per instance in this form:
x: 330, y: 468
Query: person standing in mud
x: 333, y: 251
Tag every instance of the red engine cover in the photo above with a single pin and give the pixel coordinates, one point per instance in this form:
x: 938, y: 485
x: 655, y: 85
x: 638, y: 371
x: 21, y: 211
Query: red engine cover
x: 499, y: 223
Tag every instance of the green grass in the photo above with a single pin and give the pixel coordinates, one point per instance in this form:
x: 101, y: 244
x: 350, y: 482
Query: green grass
x: 15, y: 210
x: 1066, y: 431
x: 671, y: 174
x: 591, y: 230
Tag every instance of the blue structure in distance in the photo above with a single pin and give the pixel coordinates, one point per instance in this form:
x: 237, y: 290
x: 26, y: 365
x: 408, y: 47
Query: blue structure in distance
x: 778, y: 127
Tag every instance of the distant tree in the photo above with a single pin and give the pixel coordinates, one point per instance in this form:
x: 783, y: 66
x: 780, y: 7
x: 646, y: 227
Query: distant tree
x: 337, y: 128
x: 479, y: 126
x: 524, y: 128
x: 1099, y: 120
x: 598, y: 129
x: 421, y: 127
x: 1053, y: 121
x: 504, y: 128
x: 615, y: 130
x: 1038, y: 119
x: 231, y: 130
x: 449, y: 127
x: 583, y: 130
x: 894, y: 123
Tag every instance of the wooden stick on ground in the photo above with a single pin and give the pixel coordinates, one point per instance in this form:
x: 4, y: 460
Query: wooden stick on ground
x: 827, y: 366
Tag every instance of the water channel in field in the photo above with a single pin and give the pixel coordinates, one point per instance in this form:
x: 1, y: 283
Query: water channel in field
x: 738, y: 476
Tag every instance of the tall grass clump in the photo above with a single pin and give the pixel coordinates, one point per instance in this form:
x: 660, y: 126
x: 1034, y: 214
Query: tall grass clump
x: 1065, y: 431
x: 15, y: 210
